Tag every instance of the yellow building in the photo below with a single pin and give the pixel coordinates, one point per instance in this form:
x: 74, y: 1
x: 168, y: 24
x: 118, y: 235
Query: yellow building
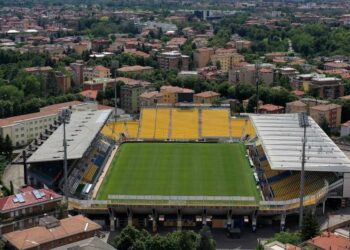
x: 226, y: 59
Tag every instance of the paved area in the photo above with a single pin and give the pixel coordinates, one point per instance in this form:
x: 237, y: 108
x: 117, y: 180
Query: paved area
x: 15, y: 174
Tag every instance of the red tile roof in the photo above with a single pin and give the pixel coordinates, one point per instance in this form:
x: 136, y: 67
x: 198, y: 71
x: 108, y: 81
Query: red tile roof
x: 298, y: 92
x: 207, y: 94
x: 7, y: 202
x: 32, y: 237
x: 101, y: 68
x: 45, y: 111
x: 89, y: 94
x: 270, y: 107
x: 329, y: 241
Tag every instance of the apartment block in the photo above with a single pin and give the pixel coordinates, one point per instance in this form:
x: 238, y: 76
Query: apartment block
x: 63, y: 81
x: 173, y: 94
x: 78, y: 72
x: 296, y: 107
x: 328, y: 87
x: 52, y: 233
x: 173, y: 60
x: 23, y: 129
x: 24, y: 209
x: 226, y: 58
x: 330, y: 112
x: 130, y: 95
x: 96, y: 72
x: 201, y: 57
x: 207, y: 97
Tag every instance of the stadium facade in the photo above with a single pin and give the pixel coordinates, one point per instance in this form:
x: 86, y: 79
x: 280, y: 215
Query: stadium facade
x: 272, y: 154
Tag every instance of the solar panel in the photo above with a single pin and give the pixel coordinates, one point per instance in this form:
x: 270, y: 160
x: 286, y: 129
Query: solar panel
x: 20, y: 198
x: 38, y: 194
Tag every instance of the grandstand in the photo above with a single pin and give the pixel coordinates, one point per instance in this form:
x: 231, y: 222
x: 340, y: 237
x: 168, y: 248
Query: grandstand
x: 185, y: 124
x: 215, y: 123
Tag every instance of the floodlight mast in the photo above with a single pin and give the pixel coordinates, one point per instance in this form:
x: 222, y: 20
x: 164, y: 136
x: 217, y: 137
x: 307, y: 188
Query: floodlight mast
x: 64, y: 116
x: 304, y: 123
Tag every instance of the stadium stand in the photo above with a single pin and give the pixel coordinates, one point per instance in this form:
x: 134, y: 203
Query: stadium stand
x: 237, y: 126
x: 89, y: 173
x: 113, y: 130
x: 215, y: 123
x: 148, y: 118
x: 286, y: 189
x: 185, y: 124
x: 162, y: 123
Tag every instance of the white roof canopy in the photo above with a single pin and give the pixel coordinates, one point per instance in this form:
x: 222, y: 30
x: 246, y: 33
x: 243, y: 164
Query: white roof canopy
x: 81, y: 130
x: 281, y: 138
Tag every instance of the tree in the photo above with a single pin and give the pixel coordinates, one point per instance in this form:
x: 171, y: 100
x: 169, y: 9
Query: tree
x: 206, y: 240
x: 310, y: 227
x: 8, y: 149
x: 325, y: 125
x: 288, y: 237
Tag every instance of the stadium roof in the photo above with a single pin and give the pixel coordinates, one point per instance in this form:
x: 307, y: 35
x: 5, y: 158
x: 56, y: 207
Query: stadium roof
x: 81, y: 131
x: 281, y: 138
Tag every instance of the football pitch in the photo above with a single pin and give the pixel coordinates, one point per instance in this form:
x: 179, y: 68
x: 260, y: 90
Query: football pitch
x: 198, y: 169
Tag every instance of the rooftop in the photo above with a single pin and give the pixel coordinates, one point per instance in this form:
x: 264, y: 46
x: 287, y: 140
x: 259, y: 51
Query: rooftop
x: 281, y: 138
x: 28, y: 196
x: 297, y: 103
x: 270, y: 107
x: 32, y: 237
x: 175, y: 89
x: 207, y: 94
x: 134, y: 68
x: 81, y: 130
x: 45, y: 111
x: 329, y: 241
x: 326, y: 107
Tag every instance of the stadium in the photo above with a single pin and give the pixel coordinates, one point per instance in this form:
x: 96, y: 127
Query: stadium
x: 186, y: 166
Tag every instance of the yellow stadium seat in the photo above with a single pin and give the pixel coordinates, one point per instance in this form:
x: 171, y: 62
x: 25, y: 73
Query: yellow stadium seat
x: 162, y: 123
x: 185, y: 124
x: 215, y: 123
x: 147, y: 123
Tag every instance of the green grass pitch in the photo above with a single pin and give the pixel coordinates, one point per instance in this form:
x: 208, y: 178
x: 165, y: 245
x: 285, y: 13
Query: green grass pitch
x: 209, y: 169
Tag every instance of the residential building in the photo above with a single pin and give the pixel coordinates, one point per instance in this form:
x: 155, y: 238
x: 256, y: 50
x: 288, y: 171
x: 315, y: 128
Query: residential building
x: 266, y: 75
x: 173, y: 60
x: 150, y: 99
x: 328, y: 240
x: 336, y: 65
x: 38, y: 71
x: 78, y: 72
x: 130, y: 93
x: 226, y: 58
x: 345, y: 129
x: 23, y: 129
x: 327, y: 87
x: 329, y: 112
x: 98, y: 83
x: 274, y: 245
x: 201, y: 57
x: 270, y: 109
x: 52, y: 233
x: 63, y: 82
x: 24, y: 209
x: 207, y: 97
x: 210, y: 72
x: 173, y: 94
x: 289, y: 72
x: 242, y: 44
x: 242, y: 73
x: 96, y: 72
x: 303, y: 81
x: 177, y: 42
x: 296, y: 107
x: 93, y: 243
x: 89, y: 95
x: 135, y: 69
